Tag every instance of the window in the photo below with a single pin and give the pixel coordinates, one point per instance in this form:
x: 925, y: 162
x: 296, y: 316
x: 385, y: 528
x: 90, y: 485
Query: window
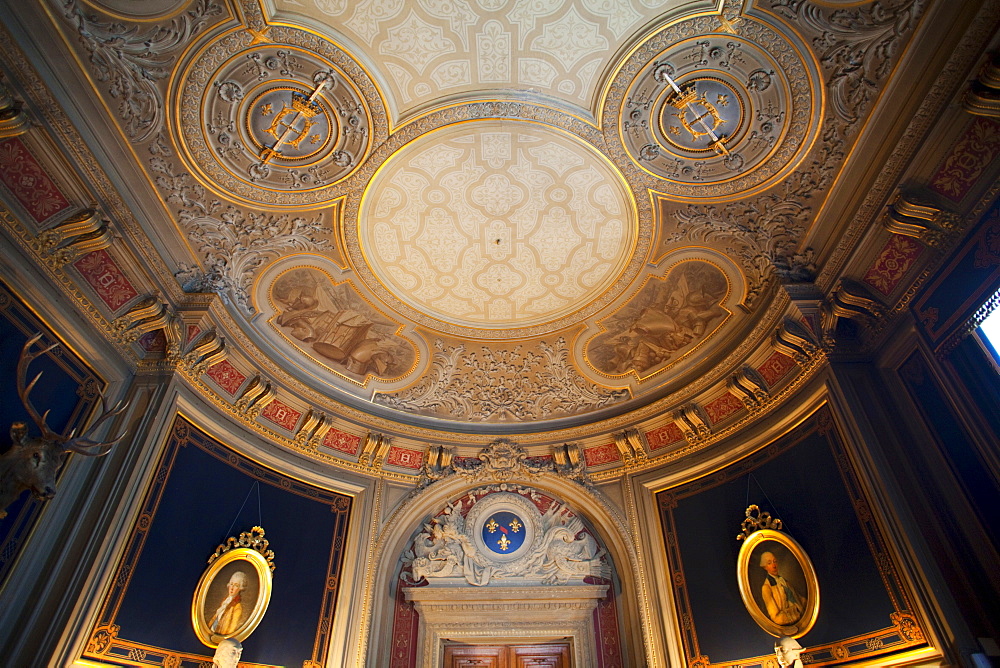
x: 989, y: 334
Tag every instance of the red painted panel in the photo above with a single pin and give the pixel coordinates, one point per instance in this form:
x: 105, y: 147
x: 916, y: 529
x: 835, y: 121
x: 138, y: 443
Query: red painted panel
x: 602, y: 454
x: 228, y: 377
x: 281, y: 415
x: 28, y: 182
x: 342, y: 442
x: 102, y: 273
x: 723, y: 407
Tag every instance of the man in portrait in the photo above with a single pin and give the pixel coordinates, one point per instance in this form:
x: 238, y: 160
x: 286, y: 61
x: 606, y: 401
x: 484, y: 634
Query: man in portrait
x: 784, y: 605
x: 229, y: 616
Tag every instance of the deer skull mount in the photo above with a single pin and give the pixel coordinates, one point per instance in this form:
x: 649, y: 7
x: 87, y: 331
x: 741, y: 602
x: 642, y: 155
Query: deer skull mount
x: 32, y: 462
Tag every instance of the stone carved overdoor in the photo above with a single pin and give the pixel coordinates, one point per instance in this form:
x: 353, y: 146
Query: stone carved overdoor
x: 505, y: 566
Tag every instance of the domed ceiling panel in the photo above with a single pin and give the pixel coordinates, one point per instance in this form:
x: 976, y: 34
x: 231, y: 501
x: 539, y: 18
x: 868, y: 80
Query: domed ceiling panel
x: 496, y: 225
x: 413, y: 209
x: 437, y: 50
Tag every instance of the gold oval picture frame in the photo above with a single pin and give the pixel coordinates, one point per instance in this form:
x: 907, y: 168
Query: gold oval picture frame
x: 778, y: 583
x: 226, y: 604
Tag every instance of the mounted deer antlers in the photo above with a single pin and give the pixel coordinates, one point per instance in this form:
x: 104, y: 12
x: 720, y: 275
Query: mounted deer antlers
x: 32, y: 463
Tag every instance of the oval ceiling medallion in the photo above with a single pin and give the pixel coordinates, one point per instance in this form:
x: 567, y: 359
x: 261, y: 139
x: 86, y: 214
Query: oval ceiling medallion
x: 496, y: 225
x: 275, y: 124
x: 718, y: 115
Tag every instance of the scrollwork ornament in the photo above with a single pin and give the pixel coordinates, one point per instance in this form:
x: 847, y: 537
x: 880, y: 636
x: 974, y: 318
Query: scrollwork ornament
x: 489, y: 385
x: 233, y: 241
x: 133, y: 62
x: 278, y: 122
x: 856, y: 46
x: 102, y: 638
x: 717, y: 111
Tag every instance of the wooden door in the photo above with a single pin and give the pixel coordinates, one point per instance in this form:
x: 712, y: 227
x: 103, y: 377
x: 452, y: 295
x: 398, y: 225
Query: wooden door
x: 549, y: 655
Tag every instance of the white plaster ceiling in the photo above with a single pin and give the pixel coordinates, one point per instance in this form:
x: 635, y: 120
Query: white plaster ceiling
x: 497, y: 224
x: 429, y: 51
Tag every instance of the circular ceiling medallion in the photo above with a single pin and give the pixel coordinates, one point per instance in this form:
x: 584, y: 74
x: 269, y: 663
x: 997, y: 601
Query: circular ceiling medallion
x: 496, y: 225
x: 275, y: 124
x: 719, y: 115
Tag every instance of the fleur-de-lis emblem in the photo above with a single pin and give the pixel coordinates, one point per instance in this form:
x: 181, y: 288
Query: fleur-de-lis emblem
x: 515, y: 526
x: 492, y: 525
x: 503, y: 543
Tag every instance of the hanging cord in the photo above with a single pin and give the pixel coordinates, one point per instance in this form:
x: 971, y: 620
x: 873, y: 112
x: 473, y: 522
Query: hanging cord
x: 245, y: 499
x: 766, y: 498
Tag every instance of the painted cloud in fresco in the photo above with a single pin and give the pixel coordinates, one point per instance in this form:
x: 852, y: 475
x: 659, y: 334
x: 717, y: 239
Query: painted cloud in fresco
x: 667, y: 318
x: 335, y: 323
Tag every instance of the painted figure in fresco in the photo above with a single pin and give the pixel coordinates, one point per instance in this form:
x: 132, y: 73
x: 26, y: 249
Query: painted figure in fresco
x: 229, y: 616
x: 784, y: 605
x: 787, y: 651
x: 337, y: 329
x: 227, y: 654
x: 676, y: 314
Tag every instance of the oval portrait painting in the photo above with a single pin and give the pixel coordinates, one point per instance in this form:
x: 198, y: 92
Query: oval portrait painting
x: 778, y: 583
x: 231, y: 597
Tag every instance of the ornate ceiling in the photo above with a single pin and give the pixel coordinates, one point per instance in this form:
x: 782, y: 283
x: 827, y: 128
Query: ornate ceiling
x: 444, y: 220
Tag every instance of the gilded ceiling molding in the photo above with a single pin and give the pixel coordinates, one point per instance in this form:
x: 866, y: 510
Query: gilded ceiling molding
x: 233, y: 242
x: 665, y: 324
x: 749, y: 387
x: 257, y: 394
x: 85, y: 231
x: 279, y: 121
x: 13, y: 120
x: 852, y: 301
x: 538, y: 120
x: 795, y: 341
x: 312, y: 428
x: 631, y: 447
x: 856, y: 46
x: 43, y: 106
x: 912, y: 216
x: 149, y: 315
x: 315, y: 308
x: 752, y: 90
x: 941, y: 93
x: 206, y: 350
x: 983, y: 96
x: 374, y: 450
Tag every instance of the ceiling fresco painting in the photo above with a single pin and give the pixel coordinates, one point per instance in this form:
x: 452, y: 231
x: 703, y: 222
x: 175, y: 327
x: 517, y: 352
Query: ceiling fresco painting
x: 330, y: 320
x: 669, y: 317
x: 544, y: 218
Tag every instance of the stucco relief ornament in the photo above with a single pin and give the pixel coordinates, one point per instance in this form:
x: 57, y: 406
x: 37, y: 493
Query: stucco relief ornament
x: 503, y: 536
x: 132, y: 62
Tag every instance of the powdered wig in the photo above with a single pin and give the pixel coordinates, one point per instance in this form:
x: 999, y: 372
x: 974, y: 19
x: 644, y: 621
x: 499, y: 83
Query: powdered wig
x: 239, y: 578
